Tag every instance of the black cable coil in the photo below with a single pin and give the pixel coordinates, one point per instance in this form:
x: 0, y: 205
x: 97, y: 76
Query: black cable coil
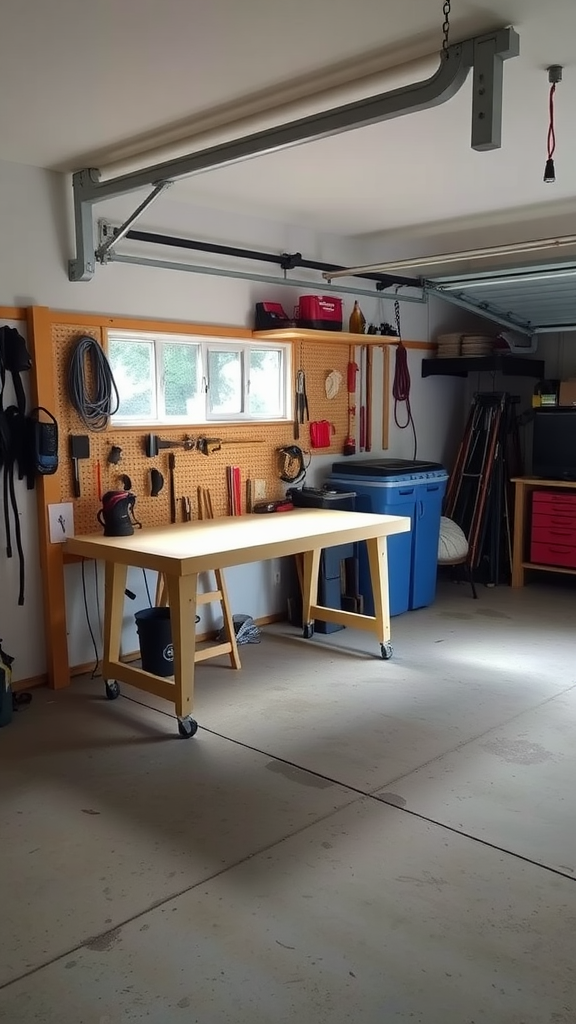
x: 91, y: 386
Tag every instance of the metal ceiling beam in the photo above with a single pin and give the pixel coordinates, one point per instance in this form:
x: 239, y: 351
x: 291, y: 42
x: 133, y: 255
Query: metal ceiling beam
x: 483, y: 53
x: 246, y: 275
x: 109, y: 235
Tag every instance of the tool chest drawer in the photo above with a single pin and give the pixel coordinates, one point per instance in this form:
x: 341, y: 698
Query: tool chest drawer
x: 553, y: 535
x: 553, y: 553
x: 554, y: 521
x: 554, y: 501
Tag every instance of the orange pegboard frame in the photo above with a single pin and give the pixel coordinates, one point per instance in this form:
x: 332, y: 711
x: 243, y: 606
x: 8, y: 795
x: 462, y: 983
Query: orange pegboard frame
x: 256, y: 460
x: 16, y: 313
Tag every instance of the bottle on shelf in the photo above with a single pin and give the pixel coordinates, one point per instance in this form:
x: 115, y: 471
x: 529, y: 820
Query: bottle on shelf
x: 357, y: 322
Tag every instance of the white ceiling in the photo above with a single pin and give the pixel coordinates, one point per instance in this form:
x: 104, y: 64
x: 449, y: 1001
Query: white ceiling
x: 87, y: 81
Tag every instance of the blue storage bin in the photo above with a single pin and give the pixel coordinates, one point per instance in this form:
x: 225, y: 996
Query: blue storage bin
x: 415, y: 490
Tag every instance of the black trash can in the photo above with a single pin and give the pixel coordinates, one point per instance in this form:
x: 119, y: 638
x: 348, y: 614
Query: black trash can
x: 155, y: 639
x: 332, y: 560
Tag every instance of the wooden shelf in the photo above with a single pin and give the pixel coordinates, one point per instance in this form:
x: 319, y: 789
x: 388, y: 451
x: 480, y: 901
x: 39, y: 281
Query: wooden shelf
x: 461, y: 366
x: 535, y: 481
x: 549, y: 568
x: 335, y: 338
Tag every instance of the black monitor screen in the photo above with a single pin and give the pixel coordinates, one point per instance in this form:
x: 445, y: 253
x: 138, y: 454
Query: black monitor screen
x: 554, y: 444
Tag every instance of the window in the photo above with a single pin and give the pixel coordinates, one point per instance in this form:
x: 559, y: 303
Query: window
x: 189, y: 379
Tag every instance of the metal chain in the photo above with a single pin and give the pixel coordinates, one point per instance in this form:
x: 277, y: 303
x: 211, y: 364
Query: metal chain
x: 446, y: 8
x: 397, y: 315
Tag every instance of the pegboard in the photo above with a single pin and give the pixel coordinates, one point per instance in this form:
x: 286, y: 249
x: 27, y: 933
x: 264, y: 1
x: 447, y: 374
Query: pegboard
x: 192, y: 469
x: 318, y: 361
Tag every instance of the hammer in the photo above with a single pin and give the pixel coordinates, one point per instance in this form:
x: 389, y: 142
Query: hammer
x: 154, y: 444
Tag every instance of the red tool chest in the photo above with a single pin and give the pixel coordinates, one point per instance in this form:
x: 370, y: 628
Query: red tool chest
x: 553, y: 533
x: 320, y: 312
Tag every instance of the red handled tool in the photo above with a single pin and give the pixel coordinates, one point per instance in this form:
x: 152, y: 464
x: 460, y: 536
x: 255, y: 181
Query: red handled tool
x: 349, y: 447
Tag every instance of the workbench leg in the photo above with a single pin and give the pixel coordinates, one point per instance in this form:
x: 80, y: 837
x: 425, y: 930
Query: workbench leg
x: 378, y: 561
x: 519, y: 526
x: 310, y: 570
x: 114, y: 588
x: 182, y: 600
x: 228, y: 618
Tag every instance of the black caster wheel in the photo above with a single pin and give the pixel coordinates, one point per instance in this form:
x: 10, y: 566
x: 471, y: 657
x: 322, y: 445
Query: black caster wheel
x: 187, y: 727
x: 308, y: 631
x: 386, y: 651
x: 112, y: 690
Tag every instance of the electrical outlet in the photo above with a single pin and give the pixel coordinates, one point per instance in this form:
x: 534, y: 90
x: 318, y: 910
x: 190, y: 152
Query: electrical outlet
x: 61, y: 522
x: 276, y: 578
x: 259, y: 490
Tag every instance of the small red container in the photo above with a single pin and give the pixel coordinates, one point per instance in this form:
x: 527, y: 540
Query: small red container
x: 321, y: 432
x: 319, y: 312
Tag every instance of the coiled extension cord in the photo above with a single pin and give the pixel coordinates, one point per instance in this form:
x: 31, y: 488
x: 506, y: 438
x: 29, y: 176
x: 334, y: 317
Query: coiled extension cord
x: 91, y: 386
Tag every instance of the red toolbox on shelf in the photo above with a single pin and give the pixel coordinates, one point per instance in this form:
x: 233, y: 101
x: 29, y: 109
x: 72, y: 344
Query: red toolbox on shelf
x: 319, y: 312
x: 553, y: 529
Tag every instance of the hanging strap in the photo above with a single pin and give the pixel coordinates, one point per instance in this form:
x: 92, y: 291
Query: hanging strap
x: 14, y: 359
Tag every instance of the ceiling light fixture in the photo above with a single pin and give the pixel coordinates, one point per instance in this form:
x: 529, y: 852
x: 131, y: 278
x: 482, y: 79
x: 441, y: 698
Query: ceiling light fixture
x: 554, y: 76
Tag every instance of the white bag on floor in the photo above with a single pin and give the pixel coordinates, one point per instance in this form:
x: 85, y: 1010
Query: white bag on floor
x: 452, y: 543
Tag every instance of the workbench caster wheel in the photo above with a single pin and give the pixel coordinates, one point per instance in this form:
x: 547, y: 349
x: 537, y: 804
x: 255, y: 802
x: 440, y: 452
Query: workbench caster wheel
x: 187, y: 727
x: 386, y: 651
x: 112, y: 690
x: 308, y: 631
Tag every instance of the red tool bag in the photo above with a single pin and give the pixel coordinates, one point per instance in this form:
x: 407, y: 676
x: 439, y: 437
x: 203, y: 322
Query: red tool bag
x: 321, y: 432
x: 319, y: 312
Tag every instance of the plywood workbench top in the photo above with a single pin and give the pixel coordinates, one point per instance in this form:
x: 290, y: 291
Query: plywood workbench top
x: 199, y: 546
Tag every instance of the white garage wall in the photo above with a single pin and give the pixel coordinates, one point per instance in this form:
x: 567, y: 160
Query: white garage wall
x: 35, y: 227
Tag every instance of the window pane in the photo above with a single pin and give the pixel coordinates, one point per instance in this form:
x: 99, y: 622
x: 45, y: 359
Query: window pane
x: 225, y: 382
x: 181, y: 392
x: 266, y: 390
x: 133, y: 368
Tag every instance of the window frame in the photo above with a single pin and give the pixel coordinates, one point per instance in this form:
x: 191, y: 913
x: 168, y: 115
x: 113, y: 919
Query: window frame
x: 205, y: 344
x: 163, y: 418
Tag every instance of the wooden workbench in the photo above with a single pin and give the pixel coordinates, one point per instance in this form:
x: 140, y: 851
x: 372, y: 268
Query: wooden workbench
x: 184, y: 550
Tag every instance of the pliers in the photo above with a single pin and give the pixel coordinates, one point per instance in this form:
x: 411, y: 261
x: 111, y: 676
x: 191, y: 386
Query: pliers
x: 301, y: 403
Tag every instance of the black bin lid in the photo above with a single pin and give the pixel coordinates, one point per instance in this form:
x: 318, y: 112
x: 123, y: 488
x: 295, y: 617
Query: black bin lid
x: 383, y: 467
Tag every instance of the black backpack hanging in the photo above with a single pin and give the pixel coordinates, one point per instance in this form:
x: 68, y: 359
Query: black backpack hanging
x: 41, y: 455
x: 14, y: 360
x: 6, y: 697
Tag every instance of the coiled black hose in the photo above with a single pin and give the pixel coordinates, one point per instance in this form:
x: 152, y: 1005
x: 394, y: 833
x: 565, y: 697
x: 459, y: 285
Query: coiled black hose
x: 91, y: 386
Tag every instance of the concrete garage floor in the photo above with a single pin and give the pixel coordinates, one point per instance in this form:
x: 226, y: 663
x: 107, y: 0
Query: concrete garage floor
x: 345, y: 839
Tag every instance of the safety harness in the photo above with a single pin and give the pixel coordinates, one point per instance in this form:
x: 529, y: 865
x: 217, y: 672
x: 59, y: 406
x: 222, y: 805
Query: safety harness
x: 14, y: 360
